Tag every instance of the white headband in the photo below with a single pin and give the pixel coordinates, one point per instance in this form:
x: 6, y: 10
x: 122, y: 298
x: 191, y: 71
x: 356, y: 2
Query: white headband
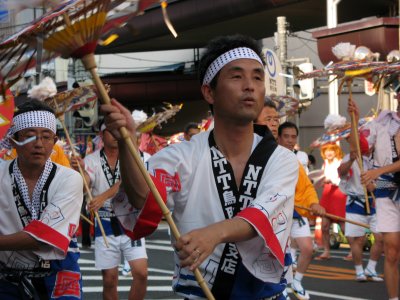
x: 227, y: 57
x: 31, y: 119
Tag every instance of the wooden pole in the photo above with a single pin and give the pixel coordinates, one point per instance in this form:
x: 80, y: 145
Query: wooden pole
x: 335, y: 217
x: 85, y: 184
x: 90, y: 65
x: 354, y: 128
x: 86, y: 219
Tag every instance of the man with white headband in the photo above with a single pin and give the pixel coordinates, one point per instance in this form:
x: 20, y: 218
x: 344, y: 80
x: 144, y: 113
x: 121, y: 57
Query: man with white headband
x: 102, y: 172
x: 40, y: 203
x: 231, y: 189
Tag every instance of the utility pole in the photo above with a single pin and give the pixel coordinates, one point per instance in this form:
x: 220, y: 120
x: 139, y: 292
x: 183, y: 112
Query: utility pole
x: 282, y: 38
x: 282, y: 42
x: 331, y: 7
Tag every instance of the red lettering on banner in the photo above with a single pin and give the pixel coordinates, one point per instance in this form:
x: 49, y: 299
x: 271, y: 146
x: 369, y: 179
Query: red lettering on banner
x: 71, y: 230
x: 170, y: 181
x: 67, y: 284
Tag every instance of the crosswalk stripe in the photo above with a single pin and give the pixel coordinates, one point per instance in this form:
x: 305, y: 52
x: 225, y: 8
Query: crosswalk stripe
x: 161, y: 271
x: 332, y: 269
x: 128, y: 278
x: 335, y: 296
x: 331, y: 273
x: 99, y: 289
x: 164, y: 242
x: 158, y: 247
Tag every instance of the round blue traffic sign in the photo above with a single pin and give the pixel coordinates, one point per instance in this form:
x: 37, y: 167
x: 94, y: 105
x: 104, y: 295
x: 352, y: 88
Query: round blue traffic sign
x: 270, y: 63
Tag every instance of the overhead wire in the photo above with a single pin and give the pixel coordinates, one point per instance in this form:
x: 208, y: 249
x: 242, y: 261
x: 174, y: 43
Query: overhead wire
x: 151, y: 60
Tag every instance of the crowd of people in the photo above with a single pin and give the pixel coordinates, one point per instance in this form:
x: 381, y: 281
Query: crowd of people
x: 239, y: 194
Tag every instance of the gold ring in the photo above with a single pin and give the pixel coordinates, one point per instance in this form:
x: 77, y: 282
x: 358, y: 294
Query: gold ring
x: 198, y: 256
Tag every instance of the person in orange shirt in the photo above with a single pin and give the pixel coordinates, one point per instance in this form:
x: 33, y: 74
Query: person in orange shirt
x: 305, y: 195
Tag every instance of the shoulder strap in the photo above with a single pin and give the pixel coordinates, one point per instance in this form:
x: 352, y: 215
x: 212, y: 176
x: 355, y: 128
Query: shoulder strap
x: 234, y: 200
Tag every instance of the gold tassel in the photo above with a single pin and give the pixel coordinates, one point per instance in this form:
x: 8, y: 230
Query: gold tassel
x: 167, y: 21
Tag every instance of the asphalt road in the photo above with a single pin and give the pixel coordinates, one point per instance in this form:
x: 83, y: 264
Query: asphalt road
x: 332, y: 279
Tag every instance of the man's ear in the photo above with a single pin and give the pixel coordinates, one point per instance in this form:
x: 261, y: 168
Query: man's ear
x: 207, y: 94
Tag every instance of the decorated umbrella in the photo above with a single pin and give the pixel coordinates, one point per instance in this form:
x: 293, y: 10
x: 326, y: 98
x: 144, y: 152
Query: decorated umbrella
x: 150, y: 142
x: 72, y: 100
x: 159, y: 118
x: 332, y: 136
x: 286, y: 105
x: 18, y: 51
x: 338, y: 133
x: 357, y: 62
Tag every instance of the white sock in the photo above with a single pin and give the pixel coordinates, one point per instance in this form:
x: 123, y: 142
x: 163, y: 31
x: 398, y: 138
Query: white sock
x: 395, y: 298
x: 126, y: 265
x: 296, y: 284
x: 293, y: 253
x: 371, y: 265
x: 359, y: 269
x: 298, y: 276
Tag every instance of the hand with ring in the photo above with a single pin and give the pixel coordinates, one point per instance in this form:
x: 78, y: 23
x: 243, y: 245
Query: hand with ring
x: 195, y: 246
x: 198, y: 255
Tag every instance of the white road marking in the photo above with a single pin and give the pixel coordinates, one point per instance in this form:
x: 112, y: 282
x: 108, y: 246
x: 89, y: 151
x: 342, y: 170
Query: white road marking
x: 128, y: 278
x: 99, y: 289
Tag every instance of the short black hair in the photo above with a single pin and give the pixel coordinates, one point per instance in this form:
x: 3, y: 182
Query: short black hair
x: 270, y: 103
x: 287, y: 125
x: 311, y: 159
x: 191, y: 125
x: 222, y: 44
x: 33, y: 105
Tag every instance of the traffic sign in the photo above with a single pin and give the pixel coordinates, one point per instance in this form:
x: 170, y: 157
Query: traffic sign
x: 274, y: 82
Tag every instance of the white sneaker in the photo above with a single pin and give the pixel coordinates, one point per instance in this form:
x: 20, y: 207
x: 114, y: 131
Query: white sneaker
x: 360, y: 277
x: 285, y: 294
x: 299, y: 291
x: 372, y: 276
x: 294, y: 265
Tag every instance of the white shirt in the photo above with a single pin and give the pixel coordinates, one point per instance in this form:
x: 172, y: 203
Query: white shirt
x: 186, y: 170
x: 57, y: 224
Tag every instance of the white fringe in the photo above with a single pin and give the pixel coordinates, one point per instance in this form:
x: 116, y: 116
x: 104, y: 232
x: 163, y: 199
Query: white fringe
x: 47, y: 88
x: 333, y: 122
